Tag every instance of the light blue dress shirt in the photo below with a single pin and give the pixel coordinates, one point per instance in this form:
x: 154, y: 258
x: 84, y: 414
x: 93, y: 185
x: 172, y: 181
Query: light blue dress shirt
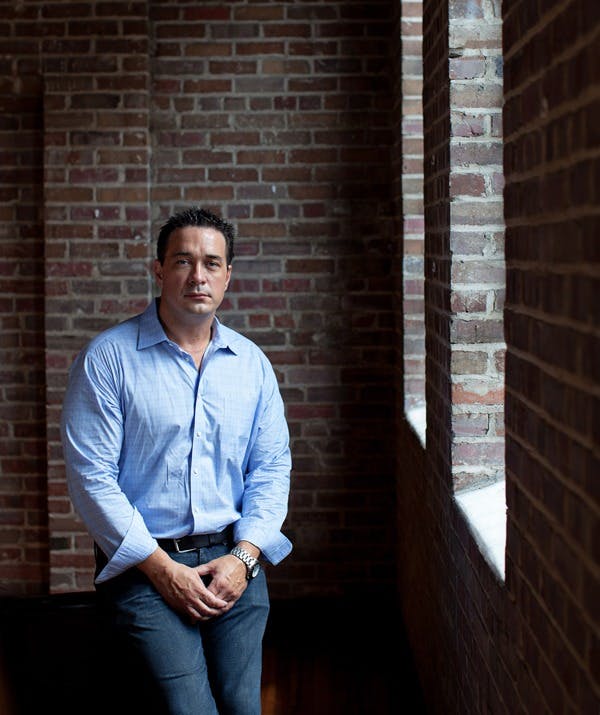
x: 155, y: 448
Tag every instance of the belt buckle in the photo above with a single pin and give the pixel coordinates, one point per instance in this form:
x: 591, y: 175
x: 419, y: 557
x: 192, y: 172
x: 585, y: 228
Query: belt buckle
x: 182, y: 551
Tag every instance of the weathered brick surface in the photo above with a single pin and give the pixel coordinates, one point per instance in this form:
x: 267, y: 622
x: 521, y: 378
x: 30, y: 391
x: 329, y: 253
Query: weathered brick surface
x: 476, y: 209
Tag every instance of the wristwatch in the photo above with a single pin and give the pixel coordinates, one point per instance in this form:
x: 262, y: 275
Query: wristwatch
x: 252, y: 565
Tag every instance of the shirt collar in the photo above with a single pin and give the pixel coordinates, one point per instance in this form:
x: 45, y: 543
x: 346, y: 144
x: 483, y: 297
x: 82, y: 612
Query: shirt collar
x: 151, y: 332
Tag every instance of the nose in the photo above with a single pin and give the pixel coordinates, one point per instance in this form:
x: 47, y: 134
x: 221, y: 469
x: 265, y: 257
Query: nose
x: 198, y: 275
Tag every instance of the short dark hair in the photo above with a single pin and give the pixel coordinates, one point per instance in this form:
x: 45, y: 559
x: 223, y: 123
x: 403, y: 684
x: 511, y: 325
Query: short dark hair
x: 195, y: 217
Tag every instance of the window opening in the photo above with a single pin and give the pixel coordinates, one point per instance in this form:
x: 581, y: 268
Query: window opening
x: 413, y: 309
x: 477, y: 273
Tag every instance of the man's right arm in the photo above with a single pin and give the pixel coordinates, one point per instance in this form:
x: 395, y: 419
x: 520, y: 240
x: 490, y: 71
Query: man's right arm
x: 92, y: 436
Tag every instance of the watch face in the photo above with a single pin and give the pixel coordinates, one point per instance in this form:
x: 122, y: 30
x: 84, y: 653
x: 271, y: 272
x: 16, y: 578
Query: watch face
x: 255, y: 570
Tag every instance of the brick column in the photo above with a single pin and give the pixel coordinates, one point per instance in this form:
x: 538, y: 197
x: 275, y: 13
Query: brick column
x: 436, y: 188
x: 23, y: 517
x: 476, y: 243
x: 464, y: 241
x: 410, y: 74
x: 96, y: 213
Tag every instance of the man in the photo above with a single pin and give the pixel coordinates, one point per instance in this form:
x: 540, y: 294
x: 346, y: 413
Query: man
x: 177, y: 449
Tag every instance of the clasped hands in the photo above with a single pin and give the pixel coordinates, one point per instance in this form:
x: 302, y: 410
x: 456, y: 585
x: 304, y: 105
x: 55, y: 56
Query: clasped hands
x: 198, y: 592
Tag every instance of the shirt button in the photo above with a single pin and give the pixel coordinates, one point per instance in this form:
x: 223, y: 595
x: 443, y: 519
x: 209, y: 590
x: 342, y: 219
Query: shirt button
x: 197, y: 434
x: 196, y: 472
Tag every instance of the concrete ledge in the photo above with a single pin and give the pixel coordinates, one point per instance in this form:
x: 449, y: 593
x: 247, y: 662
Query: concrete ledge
x: 485, y: 512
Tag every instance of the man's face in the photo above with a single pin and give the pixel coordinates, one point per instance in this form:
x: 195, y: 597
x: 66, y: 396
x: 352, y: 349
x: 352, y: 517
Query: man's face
x: 194, y: 275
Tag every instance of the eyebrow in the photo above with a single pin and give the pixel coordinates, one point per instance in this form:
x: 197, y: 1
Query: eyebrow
x: 209, y: 256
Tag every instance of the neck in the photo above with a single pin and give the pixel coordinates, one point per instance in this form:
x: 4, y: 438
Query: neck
x: 194, y: 345
x: 186, y: 337
x: 193, y: 338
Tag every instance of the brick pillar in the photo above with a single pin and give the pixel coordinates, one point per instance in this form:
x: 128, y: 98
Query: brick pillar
x: 96, y: 213
x: 476, y: 243
x: 410, y: 90
x: 436, y: 188
x: 23, y: 515
x: 464, y: 240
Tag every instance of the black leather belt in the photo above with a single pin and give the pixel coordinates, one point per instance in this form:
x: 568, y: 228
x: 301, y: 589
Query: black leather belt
x: 196, y: 541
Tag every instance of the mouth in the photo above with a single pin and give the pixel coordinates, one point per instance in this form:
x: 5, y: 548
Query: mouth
x: 197, y: 296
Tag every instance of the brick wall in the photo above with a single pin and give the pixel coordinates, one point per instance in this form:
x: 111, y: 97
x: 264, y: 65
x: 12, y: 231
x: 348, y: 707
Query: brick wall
x: 300, y: 122
x: 277, y: 117
x: 526, y: 644
x: 552, y: 115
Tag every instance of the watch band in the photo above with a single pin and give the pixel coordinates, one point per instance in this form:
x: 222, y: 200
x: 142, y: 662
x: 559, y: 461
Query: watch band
x: 251, y: 563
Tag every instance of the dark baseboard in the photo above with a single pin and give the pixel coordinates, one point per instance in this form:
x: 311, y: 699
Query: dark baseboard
x: 56, y: 655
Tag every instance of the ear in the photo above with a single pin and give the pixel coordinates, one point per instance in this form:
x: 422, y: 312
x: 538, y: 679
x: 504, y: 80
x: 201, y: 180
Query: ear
x: 158, y: 272
x: 228, y: 276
